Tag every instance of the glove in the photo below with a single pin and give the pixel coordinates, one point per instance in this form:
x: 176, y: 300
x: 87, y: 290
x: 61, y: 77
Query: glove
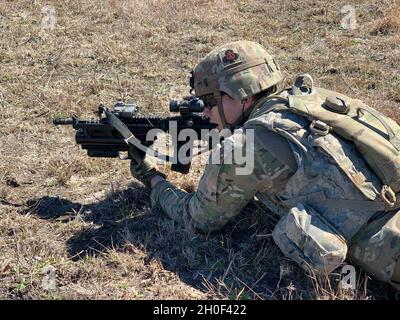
x: 141, y: 168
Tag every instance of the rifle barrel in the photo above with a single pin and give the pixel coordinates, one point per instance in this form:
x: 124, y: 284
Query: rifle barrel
x: 65, y: 121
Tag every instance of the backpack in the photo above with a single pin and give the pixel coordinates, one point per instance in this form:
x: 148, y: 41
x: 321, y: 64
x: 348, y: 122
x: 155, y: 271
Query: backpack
x: 376, y: 136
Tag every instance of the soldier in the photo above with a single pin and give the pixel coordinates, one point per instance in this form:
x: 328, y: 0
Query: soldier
x: 331, y: 202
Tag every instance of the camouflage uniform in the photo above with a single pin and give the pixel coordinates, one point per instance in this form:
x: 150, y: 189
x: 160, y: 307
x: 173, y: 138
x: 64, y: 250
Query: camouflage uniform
x: 221, y: 193
x: 302, y: 175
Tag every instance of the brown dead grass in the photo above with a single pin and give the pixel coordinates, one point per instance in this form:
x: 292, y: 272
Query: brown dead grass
x: 390, y: 23
x: 86, y: 217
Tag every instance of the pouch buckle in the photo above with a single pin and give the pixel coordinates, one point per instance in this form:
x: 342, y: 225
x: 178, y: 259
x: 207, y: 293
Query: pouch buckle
x: 319, y: 127
x: 388, y: 195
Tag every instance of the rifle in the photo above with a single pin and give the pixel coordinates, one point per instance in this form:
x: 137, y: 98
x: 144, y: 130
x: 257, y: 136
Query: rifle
x: 115, y: 130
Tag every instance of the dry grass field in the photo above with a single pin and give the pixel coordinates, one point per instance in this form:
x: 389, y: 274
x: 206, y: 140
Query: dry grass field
x: 87, y: 219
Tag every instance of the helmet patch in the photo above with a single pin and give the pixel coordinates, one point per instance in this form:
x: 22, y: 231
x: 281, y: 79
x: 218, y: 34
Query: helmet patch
x: 230, y: 56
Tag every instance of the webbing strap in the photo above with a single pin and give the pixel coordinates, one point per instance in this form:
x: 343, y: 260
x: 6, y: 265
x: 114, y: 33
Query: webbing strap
x: 262, y: 100
x: 320, y: 198
x: 393, y: 136
x: 130, y: 138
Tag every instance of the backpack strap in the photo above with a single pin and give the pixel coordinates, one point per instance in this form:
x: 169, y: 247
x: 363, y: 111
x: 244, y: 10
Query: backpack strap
x: 273, y: 107
x: 319, y: 198
x: 297, y: 89
x: 393, y: 137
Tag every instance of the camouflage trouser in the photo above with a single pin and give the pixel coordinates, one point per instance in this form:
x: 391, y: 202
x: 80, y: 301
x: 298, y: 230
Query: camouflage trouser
x: 376, y: 248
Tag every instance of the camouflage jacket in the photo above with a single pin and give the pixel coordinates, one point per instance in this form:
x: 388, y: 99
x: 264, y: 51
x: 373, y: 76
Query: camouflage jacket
x: 222, y: 193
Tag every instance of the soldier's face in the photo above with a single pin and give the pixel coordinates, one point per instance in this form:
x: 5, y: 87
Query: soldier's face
x: 232, y: 109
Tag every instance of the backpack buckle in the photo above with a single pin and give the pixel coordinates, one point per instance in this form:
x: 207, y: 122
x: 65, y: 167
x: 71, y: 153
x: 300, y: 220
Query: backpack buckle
x: 319, y: 127
x: 388, y: 195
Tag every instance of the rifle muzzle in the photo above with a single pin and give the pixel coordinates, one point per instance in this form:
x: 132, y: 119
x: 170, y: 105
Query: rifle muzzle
x: 65, y: 121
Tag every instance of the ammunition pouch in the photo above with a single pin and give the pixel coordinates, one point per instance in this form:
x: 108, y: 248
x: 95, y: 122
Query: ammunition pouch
x: 306, y: 237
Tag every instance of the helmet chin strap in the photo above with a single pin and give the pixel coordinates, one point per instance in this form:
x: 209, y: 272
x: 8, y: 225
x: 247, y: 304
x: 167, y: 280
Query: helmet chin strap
x: 225, y: 124
x: 238, y: 122
x: 218, y: 98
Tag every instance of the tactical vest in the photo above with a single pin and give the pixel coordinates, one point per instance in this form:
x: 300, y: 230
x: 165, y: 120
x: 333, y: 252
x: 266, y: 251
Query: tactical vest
x: 339, y: 184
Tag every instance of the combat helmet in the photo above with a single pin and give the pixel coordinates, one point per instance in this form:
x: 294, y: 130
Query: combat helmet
x: 240, y: 69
